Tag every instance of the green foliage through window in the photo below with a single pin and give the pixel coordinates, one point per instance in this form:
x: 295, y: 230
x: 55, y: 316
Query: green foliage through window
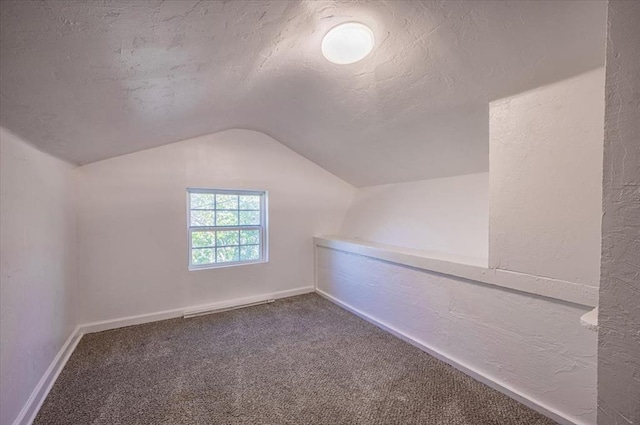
x: 213, y: 216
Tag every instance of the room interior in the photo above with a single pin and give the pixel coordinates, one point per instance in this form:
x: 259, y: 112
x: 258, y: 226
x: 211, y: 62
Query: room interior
x: 321, y: 212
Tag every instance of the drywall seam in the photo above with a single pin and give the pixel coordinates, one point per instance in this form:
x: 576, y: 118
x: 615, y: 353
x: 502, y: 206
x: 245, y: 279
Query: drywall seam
x: 536, y: 285
x: 461, y: 366
x: 105, y: 325
x: 545, y: 180
x: 40, y: 392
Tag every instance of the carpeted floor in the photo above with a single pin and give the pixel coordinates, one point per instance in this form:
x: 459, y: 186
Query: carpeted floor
x: 300, y: 360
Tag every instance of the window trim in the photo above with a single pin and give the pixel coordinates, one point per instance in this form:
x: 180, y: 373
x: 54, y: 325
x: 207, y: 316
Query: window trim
x: 263, y: 227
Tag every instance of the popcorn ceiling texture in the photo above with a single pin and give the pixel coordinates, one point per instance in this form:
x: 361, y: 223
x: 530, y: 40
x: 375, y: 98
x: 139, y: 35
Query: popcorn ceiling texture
x: 89, y: 80
x: 301, y: 360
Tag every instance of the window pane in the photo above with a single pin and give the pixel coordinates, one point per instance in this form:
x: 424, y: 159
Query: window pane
x: 251, y: 252
x: 203, y: 256
x: 249, y: 237
x: 227, y: 237
x: 203, y: 218
x: 201, y: 239
x: 202, y: 200
x: 249, y: 202
x: 249, y: 218
x: 225, y: 227
x: 226, y: 218
x: 226, y: 202
x: 228, y: 254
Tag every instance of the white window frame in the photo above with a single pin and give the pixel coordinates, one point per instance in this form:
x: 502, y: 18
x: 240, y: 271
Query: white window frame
x: 263, y: 227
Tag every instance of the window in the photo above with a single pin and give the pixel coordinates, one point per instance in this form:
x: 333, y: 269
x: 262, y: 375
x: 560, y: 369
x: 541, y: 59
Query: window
x: 226, y: 227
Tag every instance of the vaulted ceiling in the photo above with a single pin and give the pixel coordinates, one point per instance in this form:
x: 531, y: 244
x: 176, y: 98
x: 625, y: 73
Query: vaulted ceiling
x: 89, y: 80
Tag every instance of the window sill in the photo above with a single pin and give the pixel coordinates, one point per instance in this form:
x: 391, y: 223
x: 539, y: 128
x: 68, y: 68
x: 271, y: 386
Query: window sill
x: 576, y: 293
x: 225, y: 266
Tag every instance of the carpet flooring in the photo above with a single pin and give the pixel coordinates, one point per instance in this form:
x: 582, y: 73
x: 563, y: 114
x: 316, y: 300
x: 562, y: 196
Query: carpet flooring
x: 300, y: 360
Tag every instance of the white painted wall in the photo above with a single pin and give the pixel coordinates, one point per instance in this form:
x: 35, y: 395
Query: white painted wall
x: 132, y: 223
x: 619, y: 310
x: 546, y: 180
x: 544, y: 191
x: 447, y: 215
x: 38, y: 268
x: 532, y: 345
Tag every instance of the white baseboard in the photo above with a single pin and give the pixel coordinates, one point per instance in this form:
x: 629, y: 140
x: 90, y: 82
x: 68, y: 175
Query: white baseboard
x: 106, y: 325
x: 461, y: 366
x: 248, y: 300
x: 40, y: 392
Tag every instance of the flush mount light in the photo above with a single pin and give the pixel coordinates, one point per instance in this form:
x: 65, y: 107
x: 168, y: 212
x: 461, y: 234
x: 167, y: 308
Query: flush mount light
x: 347, y: 43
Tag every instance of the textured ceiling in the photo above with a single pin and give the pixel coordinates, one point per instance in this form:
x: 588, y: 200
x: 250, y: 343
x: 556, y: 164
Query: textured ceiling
x: 88, y: 80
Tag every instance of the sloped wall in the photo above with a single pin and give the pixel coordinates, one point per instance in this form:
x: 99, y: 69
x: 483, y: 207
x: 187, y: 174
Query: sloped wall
x: 447, y: 216
x: 133, y: 223
x: 38, y: 277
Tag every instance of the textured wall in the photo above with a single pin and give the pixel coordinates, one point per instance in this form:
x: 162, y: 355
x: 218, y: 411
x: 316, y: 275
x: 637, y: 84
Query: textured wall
x: 619, y: 310
x: 448, y: 215
x: 38, y: 274
x: 533, y: 345
x: 133, y: 225
x: 546, y: 180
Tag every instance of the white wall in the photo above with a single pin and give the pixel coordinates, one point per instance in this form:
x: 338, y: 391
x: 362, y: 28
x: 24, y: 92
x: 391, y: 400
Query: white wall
x: 38, y: 268
x: 532, y: 345
x: 544, y: 210
x: 619, y: 309
x: 132, y: 223
x: 447, y: 215
x: 546, y: 180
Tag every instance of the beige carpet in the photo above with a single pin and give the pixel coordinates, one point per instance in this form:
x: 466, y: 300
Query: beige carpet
x: 301, y: 360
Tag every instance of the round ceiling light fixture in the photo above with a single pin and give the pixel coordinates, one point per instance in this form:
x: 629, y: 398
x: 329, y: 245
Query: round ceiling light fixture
x: 347, y: 43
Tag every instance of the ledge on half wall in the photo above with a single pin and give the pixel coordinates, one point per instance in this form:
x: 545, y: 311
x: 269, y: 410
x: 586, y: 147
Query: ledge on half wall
x: 571, y: 292
x: 590, y: 320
